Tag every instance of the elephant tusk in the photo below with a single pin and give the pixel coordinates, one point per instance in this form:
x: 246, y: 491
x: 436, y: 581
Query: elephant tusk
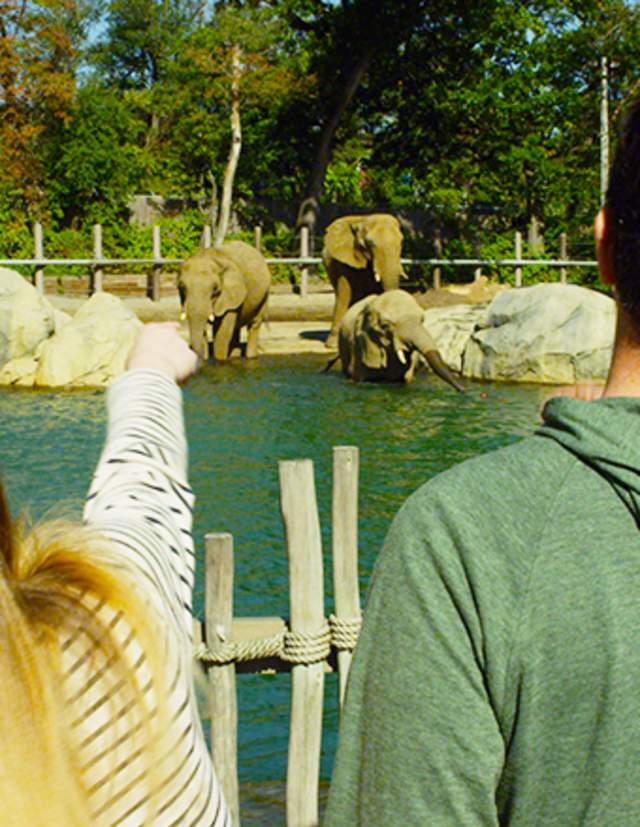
x: 183, y: 316
x: 376, y: 275
x: 211, y: 318
x: 401, y: 355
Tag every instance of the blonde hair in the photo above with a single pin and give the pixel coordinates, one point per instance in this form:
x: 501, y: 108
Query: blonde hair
x: 47, y: 573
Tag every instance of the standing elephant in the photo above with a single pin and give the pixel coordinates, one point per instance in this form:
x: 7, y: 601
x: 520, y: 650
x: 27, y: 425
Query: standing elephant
x: 361, y: 255
x: 229, y: 285
x: 382, y: 339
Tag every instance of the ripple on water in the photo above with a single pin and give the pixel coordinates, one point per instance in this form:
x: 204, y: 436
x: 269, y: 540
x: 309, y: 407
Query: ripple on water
x: 242, y: 418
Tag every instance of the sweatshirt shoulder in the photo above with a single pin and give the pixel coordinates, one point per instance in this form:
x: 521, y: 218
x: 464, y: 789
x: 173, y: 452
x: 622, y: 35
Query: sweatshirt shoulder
x: 498, y: 503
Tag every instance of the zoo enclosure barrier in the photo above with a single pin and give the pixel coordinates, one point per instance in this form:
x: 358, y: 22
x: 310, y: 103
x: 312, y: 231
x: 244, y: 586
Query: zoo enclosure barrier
x: 307, y: 647
x: 98, y: 263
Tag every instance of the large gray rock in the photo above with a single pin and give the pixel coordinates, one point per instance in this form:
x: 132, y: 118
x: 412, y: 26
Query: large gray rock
x: 91, y: 349
x: 26, y: 318
x: 451, y: 327
x: 549, y: 333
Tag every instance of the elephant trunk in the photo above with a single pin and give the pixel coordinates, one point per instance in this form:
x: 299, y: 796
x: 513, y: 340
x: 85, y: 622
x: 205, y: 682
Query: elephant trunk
x: 198, y: 331
x: 414, y: 336
x: 387, y: 268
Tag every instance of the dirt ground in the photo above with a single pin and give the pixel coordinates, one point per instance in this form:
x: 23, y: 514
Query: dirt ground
x: 294, y: 324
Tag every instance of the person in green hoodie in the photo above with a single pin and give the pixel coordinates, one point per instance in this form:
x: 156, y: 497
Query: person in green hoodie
x: 497, y: 676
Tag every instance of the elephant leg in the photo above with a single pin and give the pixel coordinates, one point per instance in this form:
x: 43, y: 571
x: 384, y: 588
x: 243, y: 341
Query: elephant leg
x: 253, y: 333
x: 344, y: 294
x: 223, y: 337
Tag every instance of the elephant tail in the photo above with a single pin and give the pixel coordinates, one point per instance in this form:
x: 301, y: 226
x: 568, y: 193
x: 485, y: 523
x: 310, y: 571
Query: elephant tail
x: 330, y: 364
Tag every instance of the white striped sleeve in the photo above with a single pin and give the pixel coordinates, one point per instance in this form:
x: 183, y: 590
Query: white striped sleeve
x: 140, y: 496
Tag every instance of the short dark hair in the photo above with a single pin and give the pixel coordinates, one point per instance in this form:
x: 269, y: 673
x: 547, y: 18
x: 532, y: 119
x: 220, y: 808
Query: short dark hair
x: 623, y: 205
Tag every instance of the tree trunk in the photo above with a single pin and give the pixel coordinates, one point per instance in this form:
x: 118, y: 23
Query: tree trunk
x: 308, y: 212
x: 236, y: 145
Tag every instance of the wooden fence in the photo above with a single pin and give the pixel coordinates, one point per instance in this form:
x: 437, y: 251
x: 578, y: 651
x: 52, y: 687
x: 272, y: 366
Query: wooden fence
x: 98, y: 264
x: 306, y: 647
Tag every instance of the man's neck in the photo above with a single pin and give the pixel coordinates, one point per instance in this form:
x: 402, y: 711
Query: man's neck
x: 624, y: 373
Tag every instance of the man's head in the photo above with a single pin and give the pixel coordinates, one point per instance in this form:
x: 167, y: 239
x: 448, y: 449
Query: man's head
x: 618, y: 229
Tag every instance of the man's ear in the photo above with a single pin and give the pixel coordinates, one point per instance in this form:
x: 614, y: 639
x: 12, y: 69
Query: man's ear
x: 603, y: 231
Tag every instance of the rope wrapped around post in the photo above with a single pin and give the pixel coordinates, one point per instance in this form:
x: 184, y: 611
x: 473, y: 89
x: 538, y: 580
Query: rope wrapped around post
x: 337, y: 633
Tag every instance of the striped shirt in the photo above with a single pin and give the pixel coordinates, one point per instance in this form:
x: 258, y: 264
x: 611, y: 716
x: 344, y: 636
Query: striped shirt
x: 140, y: 499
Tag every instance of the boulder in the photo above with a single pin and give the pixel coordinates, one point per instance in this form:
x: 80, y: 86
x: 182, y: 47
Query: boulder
x: 548, y: 333
x: 91, y: 349
x: 26, y: 318
x: 451, y: 327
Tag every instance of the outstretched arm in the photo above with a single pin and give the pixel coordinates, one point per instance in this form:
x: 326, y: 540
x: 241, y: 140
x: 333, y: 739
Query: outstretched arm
x: 140, y: 496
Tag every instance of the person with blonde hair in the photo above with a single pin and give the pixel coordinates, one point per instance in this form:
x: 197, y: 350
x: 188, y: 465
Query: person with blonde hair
x: 99, y: 724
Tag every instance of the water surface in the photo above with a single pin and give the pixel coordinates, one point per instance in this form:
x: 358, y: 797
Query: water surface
x: 241, y: 419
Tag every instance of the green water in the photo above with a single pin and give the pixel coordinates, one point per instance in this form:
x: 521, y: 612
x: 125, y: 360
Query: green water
x: 241, y: 419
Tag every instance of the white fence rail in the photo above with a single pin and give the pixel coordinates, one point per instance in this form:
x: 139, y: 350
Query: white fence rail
x: 156, y: 262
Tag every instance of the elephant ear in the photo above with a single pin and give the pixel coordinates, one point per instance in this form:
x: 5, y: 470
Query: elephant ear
x: 344, y: 242
x: 371, y: 351
x: 233, y: 293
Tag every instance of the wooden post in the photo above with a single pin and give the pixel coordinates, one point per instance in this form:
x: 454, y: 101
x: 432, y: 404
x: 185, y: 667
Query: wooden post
x: 257, y: 234
x: 437, y: 246
x: 38, y: 245
x: 345, y: 547
x: 304, y: 549
x: 304, y: 253
x: 153, y: 279
x: 518, y: 256
x: 222, y: 679
x: 564, y: 253
x: 206, y: 236
x: 95, y: 276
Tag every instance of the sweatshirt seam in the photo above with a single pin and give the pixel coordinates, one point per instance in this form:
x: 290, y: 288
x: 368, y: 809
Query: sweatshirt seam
x: 544, y: 520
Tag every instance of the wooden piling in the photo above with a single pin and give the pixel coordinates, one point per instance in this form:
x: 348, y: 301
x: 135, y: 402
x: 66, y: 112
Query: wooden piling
x: 304, y: 549
x: 222, y: 679
x: 345, y: 547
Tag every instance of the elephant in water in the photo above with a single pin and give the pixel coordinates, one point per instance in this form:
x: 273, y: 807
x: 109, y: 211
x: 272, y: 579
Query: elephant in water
x: 361, y: 255
x: 228, y: 285
x: 382, y: 339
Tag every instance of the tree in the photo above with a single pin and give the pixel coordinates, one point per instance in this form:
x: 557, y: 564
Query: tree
x: 39, y: 53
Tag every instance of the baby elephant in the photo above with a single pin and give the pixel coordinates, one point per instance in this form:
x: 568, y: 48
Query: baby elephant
x: 228, y: 285
x: 382, y: 339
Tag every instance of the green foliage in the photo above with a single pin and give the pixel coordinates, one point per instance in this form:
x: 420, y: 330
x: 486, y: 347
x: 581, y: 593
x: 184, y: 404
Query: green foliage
x: 480, y: 115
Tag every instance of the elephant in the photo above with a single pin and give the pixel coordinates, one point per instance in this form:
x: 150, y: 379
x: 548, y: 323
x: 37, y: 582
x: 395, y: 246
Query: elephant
x: 382, y: 339
x: 228, y: 285
x: 361, y: 255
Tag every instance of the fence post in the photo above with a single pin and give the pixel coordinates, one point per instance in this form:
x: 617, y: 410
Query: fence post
x: 257, y: 234
x: 206, y: 236
x: 222, y: 679
x: 518, y: 256
x: 478, y: 249
x: 304, y: 550
x: 304, y: 253
x: 153, y: 279
x: 95, y: 275
x: 38, y: 245
x: 437, y: 246
x: 564, y: 253
x: 344, y: 533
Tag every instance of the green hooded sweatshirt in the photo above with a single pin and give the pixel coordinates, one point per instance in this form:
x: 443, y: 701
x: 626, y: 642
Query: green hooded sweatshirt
x: 497, y: 676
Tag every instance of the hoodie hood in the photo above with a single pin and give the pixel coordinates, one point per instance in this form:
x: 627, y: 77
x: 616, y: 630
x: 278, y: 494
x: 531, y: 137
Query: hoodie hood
x: 605, y: 435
